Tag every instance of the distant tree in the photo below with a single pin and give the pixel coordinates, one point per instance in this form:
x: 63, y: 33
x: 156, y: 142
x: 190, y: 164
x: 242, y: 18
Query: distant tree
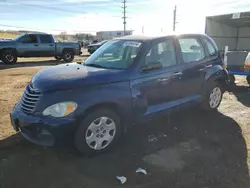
x: 63, y: 35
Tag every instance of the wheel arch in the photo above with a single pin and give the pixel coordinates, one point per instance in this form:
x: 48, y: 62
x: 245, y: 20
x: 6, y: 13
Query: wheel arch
x: 109, y: 105
x: 217, y: 74
x: 4, y: 49
x: 68, y: 49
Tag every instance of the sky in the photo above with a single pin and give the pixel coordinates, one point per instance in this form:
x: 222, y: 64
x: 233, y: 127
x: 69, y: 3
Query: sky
x: 90, y: 16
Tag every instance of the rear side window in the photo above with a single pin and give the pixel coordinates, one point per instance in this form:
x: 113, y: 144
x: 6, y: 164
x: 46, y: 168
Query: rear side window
x: 29, y: 39
x: 210, y: 47
x: 192, y: 50
x: 45, y: 39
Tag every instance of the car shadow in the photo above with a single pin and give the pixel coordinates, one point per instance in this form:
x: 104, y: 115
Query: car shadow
x: 187, y: 149
x: 241, y: 93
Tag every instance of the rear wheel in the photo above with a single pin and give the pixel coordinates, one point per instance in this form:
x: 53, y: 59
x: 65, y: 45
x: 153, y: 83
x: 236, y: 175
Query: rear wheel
x: 212, y: 96
x: 248, y: 80
x: 98, y: 132
x: 9, y: 57
x: 68, y: 56
x: 232, y: 79
x: 58, y: 58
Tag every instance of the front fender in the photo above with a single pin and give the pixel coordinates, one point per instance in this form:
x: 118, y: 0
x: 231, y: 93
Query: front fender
x: 87, y: 97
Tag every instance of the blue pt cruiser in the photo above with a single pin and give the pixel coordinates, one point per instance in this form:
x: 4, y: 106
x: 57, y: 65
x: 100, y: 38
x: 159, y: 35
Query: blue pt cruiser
x: 127, y: 80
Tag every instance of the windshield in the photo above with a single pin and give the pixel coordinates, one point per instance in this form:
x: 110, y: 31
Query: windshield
x: 18, y: 37
x: 118, y: 54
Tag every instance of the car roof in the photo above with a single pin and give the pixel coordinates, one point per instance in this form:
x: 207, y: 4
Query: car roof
x: 147, y: 38
x: 37, y: 33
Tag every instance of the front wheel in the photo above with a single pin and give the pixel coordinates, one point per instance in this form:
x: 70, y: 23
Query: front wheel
x: 212, y: 97
x: 68, y: 56
x: 9, y: 57
x: 98, y: 132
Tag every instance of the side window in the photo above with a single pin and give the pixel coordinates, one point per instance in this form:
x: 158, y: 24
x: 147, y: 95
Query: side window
x: 29, y: 39
x: 45, y: 39
x: 210, y: 47
x: 163, y: 52
x: 192, y: 50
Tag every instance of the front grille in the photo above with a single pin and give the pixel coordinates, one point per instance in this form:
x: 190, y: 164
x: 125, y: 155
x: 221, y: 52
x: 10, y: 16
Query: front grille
x: 29, y: 99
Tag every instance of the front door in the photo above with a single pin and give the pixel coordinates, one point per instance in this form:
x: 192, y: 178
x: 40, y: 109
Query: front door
x: 28, y: 46
x: 157, y: 90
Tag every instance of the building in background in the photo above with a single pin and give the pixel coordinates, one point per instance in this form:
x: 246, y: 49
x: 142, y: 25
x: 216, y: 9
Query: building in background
x: 105, y: 35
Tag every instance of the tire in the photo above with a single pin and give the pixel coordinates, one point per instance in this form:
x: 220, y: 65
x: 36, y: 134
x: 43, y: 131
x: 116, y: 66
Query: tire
x: 97, y: 126
x: 68, y: 56
x: 58, y: 58
x: 9, y: 57
x: 212, y: 96
x: 248, y: 80
x: 232, y: 79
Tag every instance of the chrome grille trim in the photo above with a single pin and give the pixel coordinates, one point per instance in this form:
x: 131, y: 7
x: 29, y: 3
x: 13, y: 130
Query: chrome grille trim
x: 29, y: 99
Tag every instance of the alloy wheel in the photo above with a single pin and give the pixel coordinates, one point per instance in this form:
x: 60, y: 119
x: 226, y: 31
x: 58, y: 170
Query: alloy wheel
x: 100, y: 133
x: 215, y: 97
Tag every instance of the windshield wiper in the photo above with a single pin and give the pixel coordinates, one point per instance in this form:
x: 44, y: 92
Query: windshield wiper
x: 100, y: 66
x: 94, y: 65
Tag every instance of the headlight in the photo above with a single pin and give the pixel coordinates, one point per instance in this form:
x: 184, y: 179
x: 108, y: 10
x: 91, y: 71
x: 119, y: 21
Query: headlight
x: 60, y: 109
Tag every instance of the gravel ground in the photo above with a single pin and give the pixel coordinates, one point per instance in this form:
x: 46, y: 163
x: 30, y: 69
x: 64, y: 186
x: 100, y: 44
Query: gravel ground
x: 186, y: 149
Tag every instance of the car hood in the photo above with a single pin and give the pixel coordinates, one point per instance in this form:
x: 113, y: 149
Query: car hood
x: 7, y: 42
x: 74, y: 75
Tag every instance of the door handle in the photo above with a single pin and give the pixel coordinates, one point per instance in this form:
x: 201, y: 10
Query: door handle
x: 177, y: 74
x: 36, y: 45
x: 51, y: 45
x: 162, y: 79
x: 208, y: 66
x: 202, y: 69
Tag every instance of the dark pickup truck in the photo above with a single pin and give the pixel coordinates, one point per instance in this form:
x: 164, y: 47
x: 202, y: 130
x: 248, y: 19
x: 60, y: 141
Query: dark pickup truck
x: 93, y: 47
x: 37, y: 45
x: 126, y: 81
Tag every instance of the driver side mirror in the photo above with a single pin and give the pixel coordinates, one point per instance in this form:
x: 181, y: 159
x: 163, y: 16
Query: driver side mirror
x: 152, y: 66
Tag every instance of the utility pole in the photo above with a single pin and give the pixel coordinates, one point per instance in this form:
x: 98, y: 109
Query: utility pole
x: 124, y: 16
x: 174, y: 20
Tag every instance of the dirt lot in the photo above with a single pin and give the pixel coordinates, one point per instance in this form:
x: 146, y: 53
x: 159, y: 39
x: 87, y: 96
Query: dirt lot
x: 187, y: 149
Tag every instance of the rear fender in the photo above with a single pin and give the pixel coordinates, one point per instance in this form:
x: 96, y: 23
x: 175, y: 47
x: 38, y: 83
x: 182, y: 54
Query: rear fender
x: 219, y: 74
x: 216, y: 72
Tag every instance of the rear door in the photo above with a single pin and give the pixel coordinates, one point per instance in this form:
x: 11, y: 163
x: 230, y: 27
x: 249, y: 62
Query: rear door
x: 212, y: 54
x: 193, y: 61
x: 46, y: 45
x: 158, y: 90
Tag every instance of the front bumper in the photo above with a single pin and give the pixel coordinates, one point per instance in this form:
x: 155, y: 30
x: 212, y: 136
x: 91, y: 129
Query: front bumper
x: 45, y: 131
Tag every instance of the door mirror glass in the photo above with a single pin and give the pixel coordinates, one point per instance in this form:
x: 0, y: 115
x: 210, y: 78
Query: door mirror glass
x: 152, y: 66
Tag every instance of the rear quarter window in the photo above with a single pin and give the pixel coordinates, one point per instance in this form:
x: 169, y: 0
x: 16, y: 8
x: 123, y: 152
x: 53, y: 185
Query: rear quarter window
x: 210, y: 47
